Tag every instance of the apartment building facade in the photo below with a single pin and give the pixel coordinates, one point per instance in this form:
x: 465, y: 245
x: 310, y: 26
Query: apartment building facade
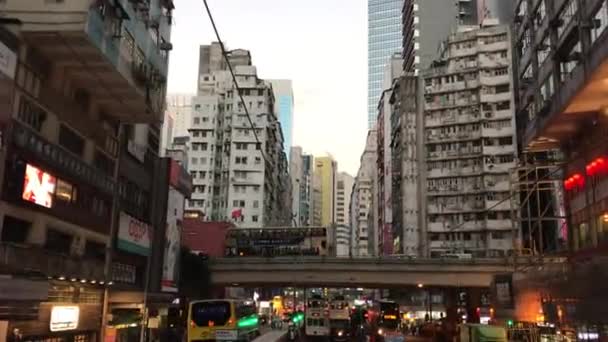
x: 363, y: 219
x: 240, y: 173
x: 344, y: 188
x: 470, y: 145
x: 73, y: 138
x: 425, y: 25
x: 407, y: 149
x: 326, y: 172
x: 301, y: 174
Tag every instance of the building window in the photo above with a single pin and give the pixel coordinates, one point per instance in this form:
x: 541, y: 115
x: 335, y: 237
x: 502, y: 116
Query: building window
x: 256, y: 204
x: 15, y: 230
x: 71, y: 140
x: 546, y: 91
x: 541, y: 13
x: 599, y: 22
x: 571, y: 61
x: 544, y: 49
x: 254, y: 218
x: 103, y: 162
x: 526, y: 41
x: 65, y: 191
x: 567, y: 13
x: 57, y: 241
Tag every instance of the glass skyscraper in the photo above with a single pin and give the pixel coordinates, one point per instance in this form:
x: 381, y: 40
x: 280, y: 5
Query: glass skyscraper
x: 283, y: 105
x: 383, y: 40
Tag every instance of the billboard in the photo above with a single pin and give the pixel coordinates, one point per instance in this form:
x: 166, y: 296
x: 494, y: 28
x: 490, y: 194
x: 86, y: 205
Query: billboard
x: 173, y: 237
x: 38, y: 186
x: 133, y: 235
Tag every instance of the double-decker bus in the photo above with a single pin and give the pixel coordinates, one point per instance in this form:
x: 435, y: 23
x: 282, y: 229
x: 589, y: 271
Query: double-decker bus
x: 222, y: 320
x: 339, y: 319
x: 384, y: 319
x: 276, y: 242
x: 317, y: 317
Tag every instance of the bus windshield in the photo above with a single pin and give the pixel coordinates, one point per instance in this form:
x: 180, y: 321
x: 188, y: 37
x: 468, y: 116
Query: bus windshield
x: 315, y: 304
x: 206, y: 314
x: 391, y: 324
x: 340, y: 323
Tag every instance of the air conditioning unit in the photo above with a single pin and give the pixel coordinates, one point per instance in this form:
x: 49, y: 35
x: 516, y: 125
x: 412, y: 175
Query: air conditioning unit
x: 166, y: 46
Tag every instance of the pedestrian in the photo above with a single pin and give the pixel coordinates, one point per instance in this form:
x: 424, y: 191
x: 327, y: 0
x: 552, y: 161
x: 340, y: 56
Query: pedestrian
x: 15, y: 336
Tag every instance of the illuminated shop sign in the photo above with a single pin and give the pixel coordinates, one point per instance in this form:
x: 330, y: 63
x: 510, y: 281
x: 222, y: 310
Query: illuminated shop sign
x: 64, y: 318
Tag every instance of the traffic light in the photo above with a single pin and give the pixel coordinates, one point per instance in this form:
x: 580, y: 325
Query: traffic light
x: 510, y: 323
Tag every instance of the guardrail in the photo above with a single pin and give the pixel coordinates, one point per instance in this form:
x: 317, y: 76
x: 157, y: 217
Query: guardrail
x: 35, y: 259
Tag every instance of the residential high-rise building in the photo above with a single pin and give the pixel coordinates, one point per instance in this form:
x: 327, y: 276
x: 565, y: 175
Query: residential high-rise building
x: 283, y: 107
x: 179, y: 108
x: 383, y: 40
x: 326, y: 169
x: 317, y: 204
x: 469, y: 142
x: 362, y: 211
x: 426, y: 23
x: 239, y: 173
x: 342, y: 241
x: 301, y: 173
x: 344, y: 187
x: 83, y: 93
x: 498, y: 9
x: 407, y: 137
x: 384, y: 167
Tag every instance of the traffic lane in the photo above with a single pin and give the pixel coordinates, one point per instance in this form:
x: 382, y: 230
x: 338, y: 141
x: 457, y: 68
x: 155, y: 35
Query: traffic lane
x: 271, y: 335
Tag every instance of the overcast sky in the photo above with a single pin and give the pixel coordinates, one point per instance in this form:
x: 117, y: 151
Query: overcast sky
x: 319, y: 44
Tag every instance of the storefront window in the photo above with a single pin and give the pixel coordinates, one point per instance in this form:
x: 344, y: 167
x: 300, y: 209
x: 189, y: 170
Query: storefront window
x: 584, y: 235
x: 602, y: 229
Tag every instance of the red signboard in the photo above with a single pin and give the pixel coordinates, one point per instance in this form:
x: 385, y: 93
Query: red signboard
x: 179, y: 178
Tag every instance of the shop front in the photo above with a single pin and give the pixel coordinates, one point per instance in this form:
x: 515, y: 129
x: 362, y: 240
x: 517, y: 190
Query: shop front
x: 127, y: 315
x: 63, y: 322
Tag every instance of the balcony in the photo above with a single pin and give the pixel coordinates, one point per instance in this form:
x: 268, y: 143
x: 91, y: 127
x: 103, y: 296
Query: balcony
x: 499, y: 149
x: 36, y: 259
x: 457, y: 53
x: 435, y: 227
x: 106, y: 49
x: 576, y: 101
x: 488, y: 62
x: 498, y: 205
x: 494, y: 80
x: 499, y: 224
x: 497, y: 132
x: 496, y: 46
x: 30, y: 142
x: 501, y: 97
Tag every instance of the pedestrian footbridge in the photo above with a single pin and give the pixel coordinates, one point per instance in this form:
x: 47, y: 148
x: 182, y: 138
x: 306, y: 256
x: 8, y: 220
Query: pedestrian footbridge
x: 362, y: 272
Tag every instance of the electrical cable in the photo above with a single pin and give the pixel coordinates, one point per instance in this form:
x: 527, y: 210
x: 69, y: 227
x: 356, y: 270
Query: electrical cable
x: 236, y: 85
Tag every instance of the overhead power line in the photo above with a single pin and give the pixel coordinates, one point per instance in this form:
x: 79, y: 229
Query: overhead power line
x: 236, y: 85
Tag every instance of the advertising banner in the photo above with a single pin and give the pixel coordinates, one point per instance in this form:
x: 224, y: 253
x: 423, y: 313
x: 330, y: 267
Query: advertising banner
x: 180, y: 179
x: 173, y: 234
x: 134, y: 236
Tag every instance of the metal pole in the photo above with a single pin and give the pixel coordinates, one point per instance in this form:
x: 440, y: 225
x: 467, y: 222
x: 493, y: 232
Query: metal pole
x: 144, y: 323
x: 113, y: 229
